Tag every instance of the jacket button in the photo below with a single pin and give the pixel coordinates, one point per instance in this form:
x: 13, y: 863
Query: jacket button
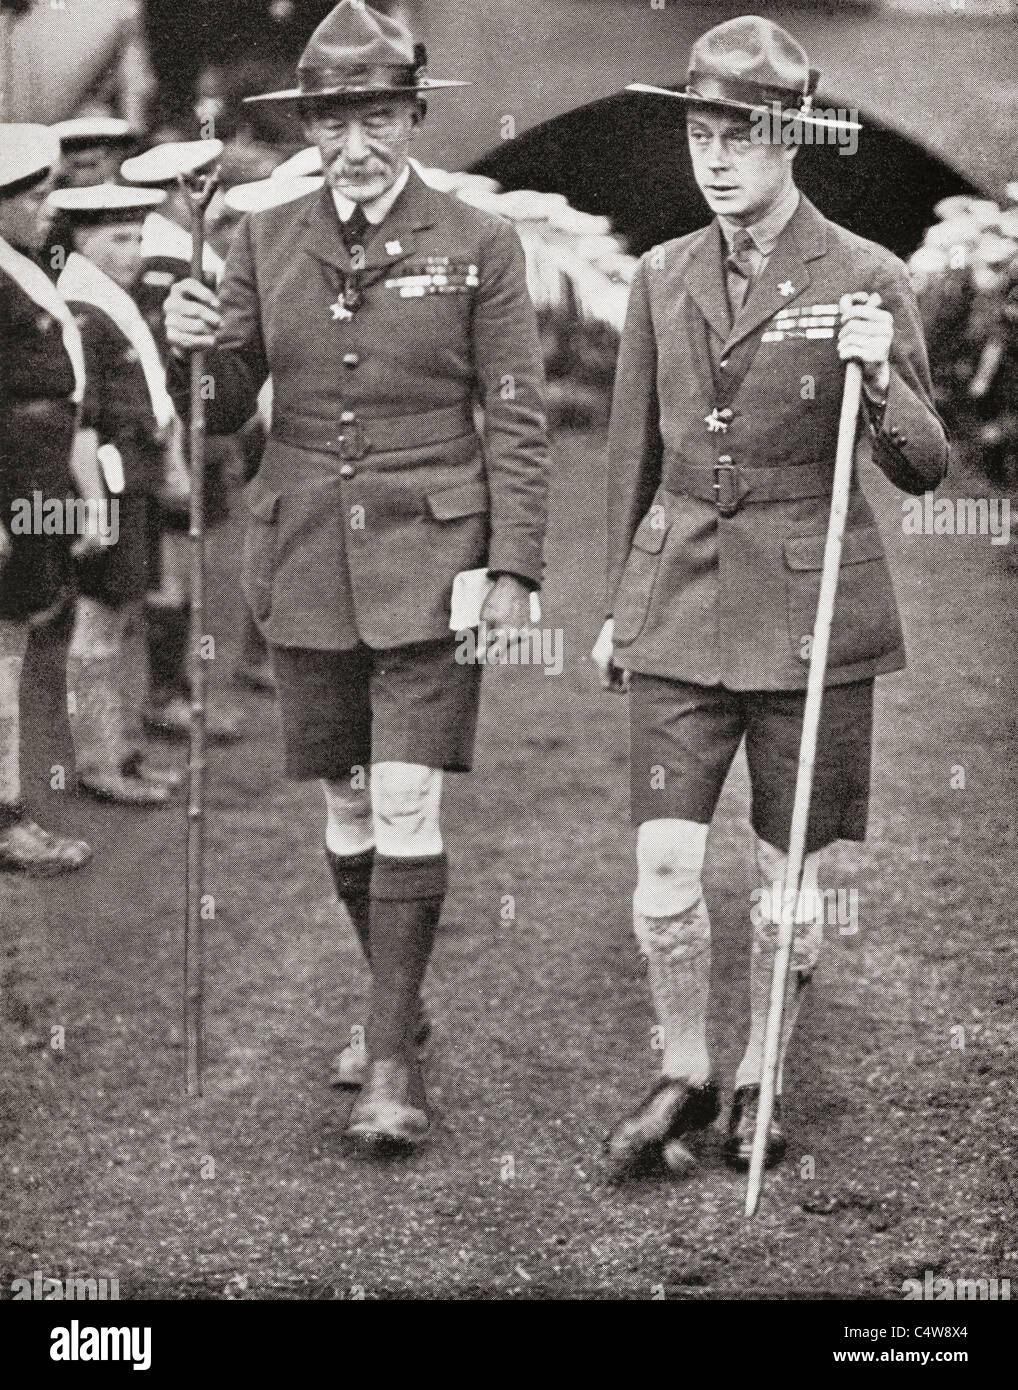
x: 347, y: 470
x: 726, y: 414
x: 347, y: 417
x: 351, y: 360
x: 724, y: 458
x: 723, y: 363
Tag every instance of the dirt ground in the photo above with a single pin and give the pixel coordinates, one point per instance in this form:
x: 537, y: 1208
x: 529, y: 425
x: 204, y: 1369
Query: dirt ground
x: 899, y: 1113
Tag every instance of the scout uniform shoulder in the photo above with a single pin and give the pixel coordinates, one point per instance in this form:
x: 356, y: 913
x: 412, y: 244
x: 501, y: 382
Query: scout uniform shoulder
x: 863, y: 255
x: 671, y: 255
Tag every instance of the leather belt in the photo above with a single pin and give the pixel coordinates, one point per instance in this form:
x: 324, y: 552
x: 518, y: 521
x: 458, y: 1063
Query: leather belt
x: 353, y: 438
x: 730, y: 487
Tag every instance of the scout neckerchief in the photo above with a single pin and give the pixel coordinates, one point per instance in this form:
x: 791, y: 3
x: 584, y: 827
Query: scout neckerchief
x: 83, y: 282
x: 37, y: 285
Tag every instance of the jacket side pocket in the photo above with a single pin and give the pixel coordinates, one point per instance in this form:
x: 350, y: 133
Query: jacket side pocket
x: 260, y: 547
x: 865, y: 625
x: 636, y: 589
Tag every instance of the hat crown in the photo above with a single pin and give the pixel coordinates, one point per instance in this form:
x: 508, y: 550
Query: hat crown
x: 754, y: 50
x: 26, y: 149
x: 356, y: 36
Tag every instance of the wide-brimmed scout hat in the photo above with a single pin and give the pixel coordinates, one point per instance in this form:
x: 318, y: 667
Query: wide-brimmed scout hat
x: 85, y: 132
x: 751, y: 65
x: 27, y: 153
x: 357, y: 54
x: 106, y: 202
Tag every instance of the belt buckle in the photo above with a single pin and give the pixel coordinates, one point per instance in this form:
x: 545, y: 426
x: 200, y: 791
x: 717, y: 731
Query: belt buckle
x: 726, y: 488
x: 352, y: 443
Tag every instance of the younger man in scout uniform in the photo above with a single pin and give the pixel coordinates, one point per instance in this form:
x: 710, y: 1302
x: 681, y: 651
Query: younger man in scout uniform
x: 721, y: 457
x: 128, y: 406
x: 381, y: 308
x: 42, y: 382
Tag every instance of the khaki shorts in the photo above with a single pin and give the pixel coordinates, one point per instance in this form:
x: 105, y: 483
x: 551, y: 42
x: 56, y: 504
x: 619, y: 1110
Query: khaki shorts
x: 348, y: 709
x: 683, y: 739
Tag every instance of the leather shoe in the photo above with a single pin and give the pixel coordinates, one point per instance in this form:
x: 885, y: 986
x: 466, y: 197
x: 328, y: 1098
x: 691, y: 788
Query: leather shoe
x: 389, y: 1115
x: 169, y: 777
x: 172, y: 720
x: 674, y: 1107
x: 350, y: 1066
x: 26, y: 848
x: 122, y: 790
x: 742, y: 1127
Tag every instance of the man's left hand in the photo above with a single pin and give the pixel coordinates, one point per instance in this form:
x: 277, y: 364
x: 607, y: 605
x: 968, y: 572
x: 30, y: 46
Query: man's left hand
x: 505, y: 610
x: 865, y: 336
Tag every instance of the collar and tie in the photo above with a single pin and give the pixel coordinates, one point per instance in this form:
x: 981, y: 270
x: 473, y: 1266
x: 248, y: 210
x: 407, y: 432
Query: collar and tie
x: 356, y: 229
x: 740, y: 265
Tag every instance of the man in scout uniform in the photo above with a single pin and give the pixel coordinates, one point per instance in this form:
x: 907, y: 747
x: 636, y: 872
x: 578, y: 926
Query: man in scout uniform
x: 128, y: 406
x: 382, y: 308
x: 721, y: 457
x: 42, y: 382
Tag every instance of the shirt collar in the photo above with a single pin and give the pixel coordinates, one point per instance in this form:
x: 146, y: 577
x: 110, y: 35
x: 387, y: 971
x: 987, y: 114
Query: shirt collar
x: 377, y: 210
x: 766, y: 231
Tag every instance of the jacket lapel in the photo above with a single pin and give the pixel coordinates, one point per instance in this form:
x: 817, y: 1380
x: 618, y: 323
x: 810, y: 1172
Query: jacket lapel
x: 320, y: 234
x: 705, y: 281
x: 394, y: 239
x: 706, y: 308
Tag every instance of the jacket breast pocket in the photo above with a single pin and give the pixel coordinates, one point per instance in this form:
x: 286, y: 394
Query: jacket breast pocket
x: 260, y: 542
x: 865, y: 625
x: 632, y: 602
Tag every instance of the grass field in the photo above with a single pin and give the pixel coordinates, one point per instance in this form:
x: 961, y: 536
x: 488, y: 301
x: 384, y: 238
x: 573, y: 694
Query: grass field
x: 543, y: 1023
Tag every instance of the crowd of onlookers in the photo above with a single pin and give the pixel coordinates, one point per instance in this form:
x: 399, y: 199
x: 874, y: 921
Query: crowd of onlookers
x: 94, y: 476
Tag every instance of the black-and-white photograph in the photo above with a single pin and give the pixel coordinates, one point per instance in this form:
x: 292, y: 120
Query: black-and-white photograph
x: 508, y: 624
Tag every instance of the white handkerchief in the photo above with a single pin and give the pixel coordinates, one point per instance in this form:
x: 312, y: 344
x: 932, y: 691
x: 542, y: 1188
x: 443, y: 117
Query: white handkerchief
x: 469, y: 590
x: 112, y: 465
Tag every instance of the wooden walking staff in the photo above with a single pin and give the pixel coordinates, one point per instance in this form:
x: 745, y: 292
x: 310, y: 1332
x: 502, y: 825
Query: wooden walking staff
x: 804, y: 778
x: 194, y: 167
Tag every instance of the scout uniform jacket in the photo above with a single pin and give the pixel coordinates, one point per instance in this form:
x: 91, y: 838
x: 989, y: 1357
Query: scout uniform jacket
x: 38, y: 415
x: 374, y: 489
x: 721, y: 459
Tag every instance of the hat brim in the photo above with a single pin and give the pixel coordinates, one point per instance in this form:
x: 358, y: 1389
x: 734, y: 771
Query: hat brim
x: 164, y: 164
x: 744, y: 107
x: 426, y: 84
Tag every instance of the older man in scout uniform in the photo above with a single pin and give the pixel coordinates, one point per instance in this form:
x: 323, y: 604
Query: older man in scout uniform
x: 128, y: 406
x: 721, y: 457
x: 382, y: 308
x: 42, y: 382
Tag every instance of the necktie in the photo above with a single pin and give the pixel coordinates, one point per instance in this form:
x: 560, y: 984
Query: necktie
x: 355, y: 230
x: 740, y: 265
